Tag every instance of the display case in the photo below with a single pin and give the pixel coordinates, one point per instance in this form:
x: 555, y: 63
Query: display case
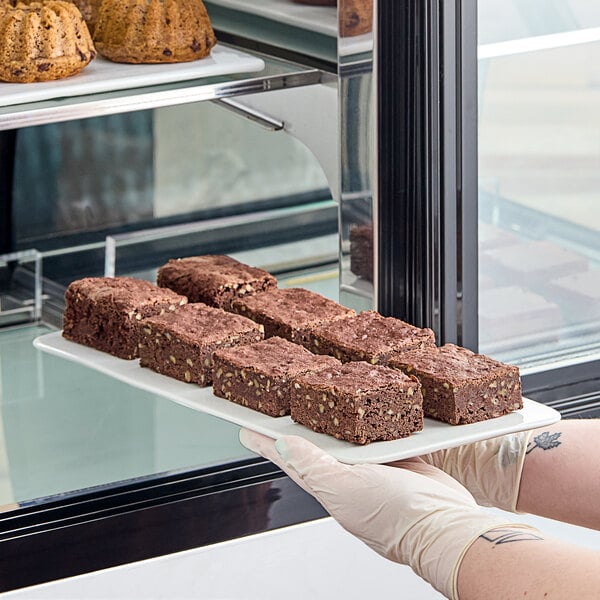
x: 346, y: 164
x: 113, y: 172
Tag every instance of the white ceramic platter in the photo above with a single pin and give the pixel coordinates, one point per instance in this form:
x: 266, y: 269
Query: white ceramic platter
x: 102, y: 75
x: 434, y: 436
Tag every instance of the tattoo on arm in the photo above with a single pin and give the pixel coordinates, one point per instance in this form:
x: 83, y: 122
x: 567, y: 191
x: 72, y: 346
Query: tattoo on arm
x: 545, y: 441
x: 506, y: 536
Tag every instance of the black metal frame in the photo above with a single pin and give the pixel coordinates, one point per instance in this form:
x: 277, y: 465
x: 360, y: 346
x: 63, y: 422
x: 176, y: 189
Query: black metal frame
x: 8, y: 140
x: 103, y: 528
x: 427, y: 165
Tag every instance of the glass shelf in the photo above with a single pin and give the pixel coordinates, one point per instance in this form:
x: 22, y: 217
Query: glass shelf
x: 277, y: 75
x: 66, y: 430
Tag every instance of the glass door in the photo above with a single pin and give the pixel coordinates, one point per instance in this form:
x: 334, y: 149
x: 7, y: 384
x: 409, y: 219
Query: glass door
x: 539, y: 208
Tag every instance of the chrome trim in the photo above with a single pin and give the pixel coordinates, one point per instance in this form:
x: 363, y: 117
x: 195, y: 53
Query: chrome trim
x: 97, y: 105
x: 252, y: 114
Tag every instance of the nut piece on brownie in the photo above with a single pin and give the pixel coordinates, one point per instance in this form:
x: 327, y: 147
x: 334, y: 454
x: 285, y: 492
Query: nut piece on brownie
x: 213, y: 279
x: 259, y: 375
x: 180, y: 344
x: 103, y: 312
x: 460, y: 386
x: 369, y: 336
x: 291, y: 313
x: 358, y: 402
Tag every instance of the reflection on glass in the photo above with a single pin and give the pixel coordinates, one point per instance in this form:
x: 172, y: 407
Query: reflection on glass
x: 82, y: 175
x: 539, y: 230
x: 361, y: 251
x: 355, y: 60
x: 66, y: 428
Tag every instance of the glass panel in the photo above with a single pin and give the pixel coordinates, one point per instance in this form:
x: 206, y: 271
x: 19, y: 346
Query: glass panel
x: 65, y: 428
x: 20, y: 287
x: 538, y: 156
x: 120, y: 172
x: 355, y: 60
x: 139, y: 180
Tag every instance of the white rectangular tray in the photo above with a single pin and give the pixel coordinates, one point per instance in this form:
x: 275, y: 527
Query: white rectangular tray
x: 434, y: 436
x: 102, y: 75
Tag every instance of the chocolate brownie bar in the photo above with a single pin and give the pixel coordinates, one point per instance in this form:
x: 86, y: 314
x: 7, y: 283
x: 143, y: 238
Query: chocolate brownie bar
x: 291, y: 313
x: 103, y: 312
x: 213, y: 279
x: 578, y: 295
x: 512, y: 317
x: 355, y: 17
x: 259, y: 375
x: 358, y: 402
x: 460, y: 386
x: 531, y: 264
x: 369, y: 336
x: 361, y: 251
x: 180, y: 344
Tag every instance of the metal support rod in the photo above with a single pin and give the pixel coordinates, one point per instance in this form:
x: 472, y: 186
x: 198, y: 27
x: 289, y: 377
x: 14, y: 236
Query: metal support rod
x: 250, y: 113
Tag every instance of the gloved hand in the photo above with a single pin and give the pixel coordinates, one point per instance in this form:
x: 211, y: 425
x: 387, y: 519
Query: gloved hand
x: 491, y: 470
x: 409, y: 512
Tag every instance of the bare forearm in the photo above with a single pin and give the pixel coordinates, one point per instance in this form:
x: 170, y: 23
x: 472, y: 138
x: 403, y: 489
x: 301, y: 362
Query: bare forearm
x: 514, y: 563
x: 561, y: 473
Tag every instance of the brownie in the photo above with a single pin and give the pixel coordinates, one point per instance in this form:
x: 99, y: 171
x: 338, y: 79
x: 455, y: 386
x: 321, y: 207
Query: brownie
x: 368, y: 336
x: 180, y: 344
x: 490, y: 236
x: 355, y: 17
x: 291, y: 313
x: 460, y: 386
x: 103, y: 312
x: 578, y: 295
x: 511, y: 317
x: 361, y: 251
x: 358, y: 402
x: 259, y: 375
x: 531, y: 264
x: 213, y: 279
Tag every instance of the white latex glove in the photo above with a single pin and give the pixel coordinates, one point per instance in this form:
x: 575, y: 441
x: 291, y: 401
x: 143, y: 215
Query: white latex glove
x: 491, y: 470
x: 409, y: 512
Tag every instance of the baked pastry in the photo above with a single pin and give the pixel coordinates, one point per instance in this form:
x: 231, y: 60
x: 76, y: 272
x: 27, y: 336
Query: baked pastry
x: 368, y: 336
x: 531, y: 264
x: 460, y: 386
x: 104, y: 312
x: 153, y: 31
x: 512, y: 317
x: 358, y: 402
x: 259, y: 375
x: 355, y: 16
x: 42, y: 41
x: 291, y: 313
x: 578, y: 295
x: 214, y: 279
x: 361, y: 251
x: 89, y: 10
x: 180, y: 344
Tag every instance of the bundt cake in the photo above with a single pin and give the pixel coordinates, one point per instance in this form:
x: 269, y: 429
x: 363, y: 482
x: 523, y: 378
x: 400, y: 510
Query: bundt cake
x: 41, y: 41
x: 153, y: 31
x: 89, y: 10
x: 355, y: 16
